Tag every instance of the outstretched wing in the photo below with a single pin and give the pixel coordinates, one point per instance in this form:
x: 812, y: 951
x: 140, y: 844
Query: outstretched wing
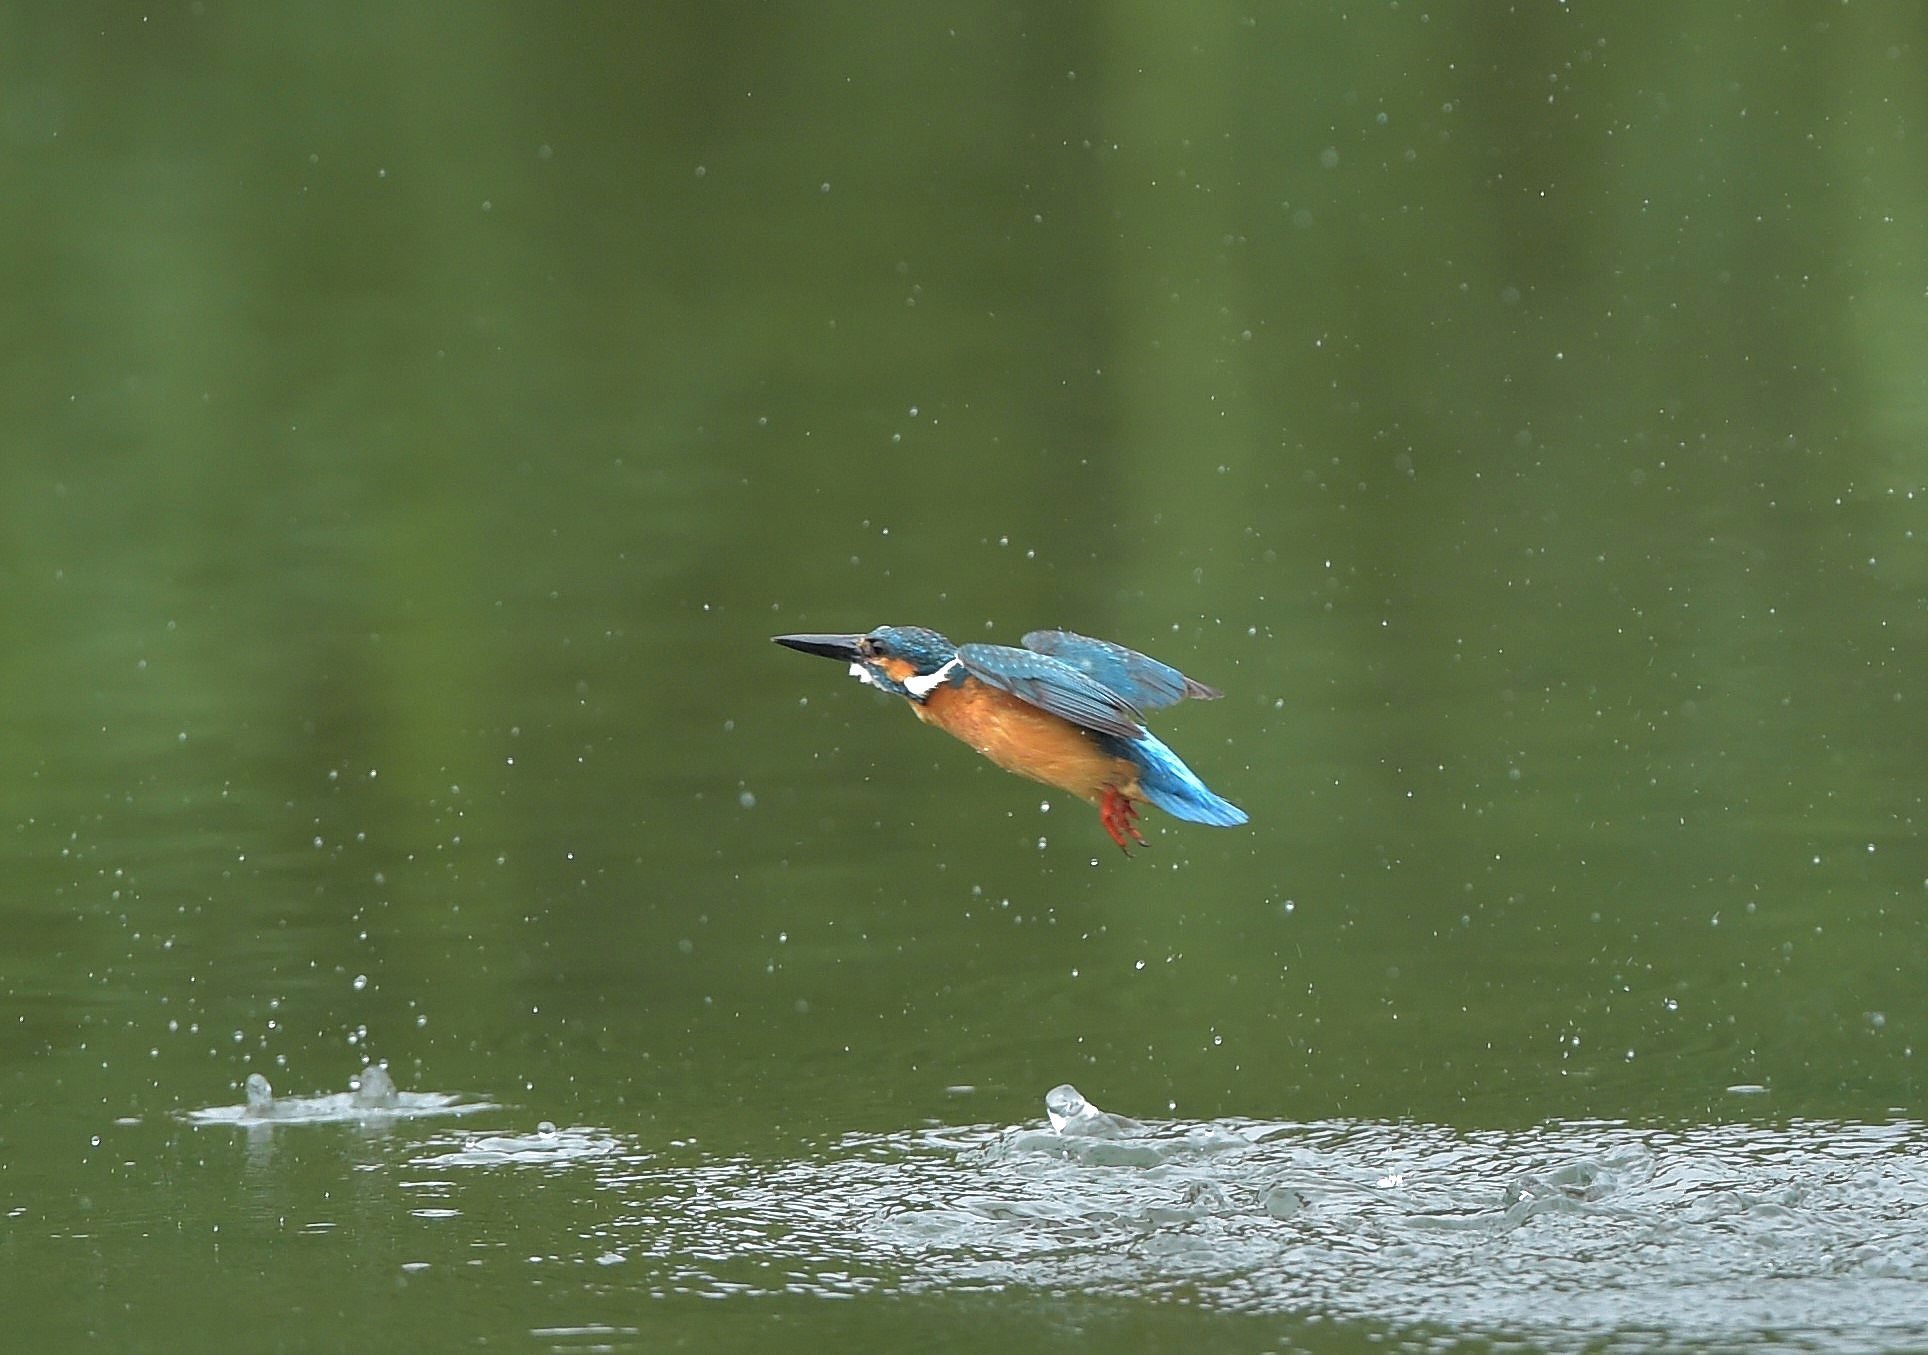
x: 1144, y: 682
x: 1055, y: 687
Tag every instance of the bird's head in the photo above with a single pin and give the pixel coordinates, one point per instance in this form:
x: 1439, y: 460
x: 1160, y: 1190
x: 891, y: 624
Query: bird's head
x: 910, y: 661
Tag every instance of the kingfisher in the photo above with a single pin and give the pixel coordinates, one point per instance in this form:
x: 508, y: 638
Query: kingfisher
x: 1064, y: 710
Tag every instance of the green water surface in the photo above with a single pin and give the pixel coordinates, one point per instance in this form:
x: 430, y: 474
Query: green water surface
x: 419, y: 417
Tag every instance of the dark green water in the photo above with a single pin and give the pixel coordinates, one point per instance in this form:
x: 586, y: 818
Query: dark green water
x: 418, y: 418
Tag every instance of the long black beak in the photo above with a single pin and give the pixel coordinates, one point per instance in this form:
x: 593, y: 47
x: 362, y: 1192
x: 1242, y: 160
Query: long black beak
x: 843, y: 648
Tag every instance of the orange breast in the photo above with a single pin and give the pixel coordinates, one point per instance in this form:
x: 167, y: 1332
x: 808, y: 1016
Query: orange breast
x: 1023, y: 739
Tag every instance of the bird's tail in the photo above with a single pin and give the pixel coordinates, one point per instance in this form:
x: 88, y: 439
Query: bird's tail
x: 1172, y: 786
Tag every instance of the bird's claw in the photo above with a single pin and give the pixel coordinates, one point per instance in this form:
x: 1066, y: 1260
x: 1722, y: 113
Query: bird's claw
x: 1120, y: 817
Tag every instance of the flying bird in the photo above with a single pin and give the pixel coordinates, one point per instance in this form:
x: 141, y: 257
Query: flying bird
x: 1064, y: 710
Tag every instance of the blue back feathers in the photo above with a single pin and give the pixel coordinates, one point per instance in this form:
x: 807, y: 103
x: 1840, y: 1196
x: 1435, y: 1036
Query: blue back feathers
x: 1141, y: 680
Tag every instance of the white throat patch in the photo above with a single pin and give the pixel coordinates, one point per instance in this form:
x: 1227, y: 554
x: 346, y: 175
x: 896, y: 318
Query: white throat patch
x: 921, y: 687
x: 863, y: 674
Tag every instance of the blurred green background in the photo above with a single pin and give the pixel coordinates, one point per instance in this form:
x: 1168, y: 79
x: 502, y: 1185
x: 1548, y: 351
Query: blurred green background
x: 418, y: 418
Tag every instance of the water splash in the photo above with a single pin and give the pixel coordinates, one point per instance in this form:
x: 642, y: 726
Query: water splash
x: 371, y: 1095
x: 375, y: 1089
x: 1072, y: 1115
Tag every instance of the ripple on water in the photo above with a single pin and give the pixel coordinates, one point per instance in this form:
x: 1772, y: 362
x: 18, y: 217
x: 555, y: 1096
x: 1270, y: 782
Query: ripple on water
x: 1601, y: 1235
x: 1597, y: 1234
x: 548, y: 1146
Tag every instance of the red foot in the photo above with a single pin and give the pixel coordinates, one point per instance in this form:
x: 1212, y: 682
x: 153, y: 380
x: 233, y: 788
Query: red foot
x: 1120, y: 816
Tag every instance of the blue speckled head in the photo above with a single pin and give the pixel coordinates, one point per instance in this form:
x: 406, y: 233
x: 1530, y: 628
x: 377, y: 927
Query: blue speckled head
x: 925, y: 648
x: 899, y: 658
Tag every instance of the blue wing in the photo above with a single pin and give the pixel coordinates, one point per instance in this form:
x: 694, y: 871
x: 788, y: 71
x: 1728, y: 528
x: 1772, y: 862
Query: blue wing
x: 1144, y: 682
x: 1054, y: 687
